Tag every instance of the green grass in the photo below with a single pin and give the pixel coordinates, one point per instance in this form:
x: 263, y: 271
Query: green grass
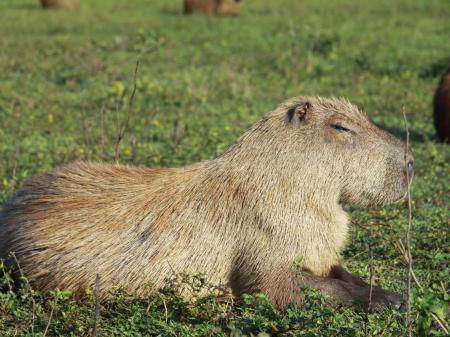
x: 65, y: 77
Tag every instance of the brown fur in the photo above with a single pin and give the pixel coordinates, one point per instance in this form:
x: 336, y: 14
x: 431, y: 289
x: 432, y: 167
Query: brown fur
x: 61, y: 4
x: 217, y: 7
x: 242, y: 218
x: 442, y: 108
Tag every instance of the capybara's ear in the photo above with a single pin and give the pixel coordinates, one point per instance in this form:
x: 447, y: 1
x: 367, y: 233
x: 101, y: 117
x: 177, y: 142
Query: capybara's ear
x: 297, y: 113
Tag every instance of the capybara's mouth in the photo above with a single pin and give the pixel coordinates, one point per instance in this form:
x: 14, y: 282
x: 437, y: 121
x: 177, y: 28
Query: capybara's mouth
x: 401, y: 199
x: 403, y: 195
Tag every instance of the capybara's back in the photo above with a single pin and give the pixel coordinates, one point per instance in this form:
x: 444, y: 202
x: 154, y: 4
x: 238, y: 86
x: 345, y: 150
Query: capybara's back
x: 218, y: 7
x: 442, y: 108
x: 84, y: 219
x: 61, y: 4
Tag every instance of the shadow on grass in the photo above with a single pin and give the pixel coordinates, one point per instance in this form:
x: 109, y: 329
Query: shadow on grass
x: 415, y: 136
x: 27, y: 6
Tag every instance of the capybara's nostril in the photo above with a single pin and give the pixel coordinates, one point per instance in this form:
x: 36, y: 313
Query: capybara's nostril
x: 410, y: 167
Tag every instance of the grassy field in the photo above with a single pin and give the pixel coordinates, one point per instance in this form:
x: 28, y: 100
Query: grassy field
x: 65, y: 85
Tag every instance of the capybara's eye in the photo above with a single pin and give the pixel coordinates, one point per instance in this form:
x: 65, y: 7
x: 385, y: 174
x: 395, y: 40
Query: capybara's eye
x: 340, y: 128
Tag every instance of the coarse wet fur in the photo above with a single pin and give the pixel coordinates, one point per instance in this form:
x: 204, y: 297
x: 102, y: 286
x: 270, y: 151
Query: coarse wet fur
x: 243, y: 219
x: 442, y: 108
x: 61, y: 4
x: 217, y: 7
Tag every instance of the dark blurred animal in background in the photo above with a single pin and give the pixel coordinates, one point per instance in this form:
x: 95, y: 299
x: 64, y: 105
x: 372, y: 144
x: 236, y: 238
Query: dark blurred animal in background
x: 442, y: 108
x: 61, y: 4
x: 217, y: 7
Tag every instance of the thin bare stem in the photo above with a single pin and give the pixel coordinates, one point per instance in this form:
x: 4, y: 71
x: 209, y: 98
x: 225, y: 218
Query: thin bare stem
x: 442, y: 324
x: 14, y: 169
x: 50, y: 318
x: 369, y: 305
x: 408, y: 230
x: 97, y: 304
x: 387, y: 326
x: 122, y: 130
x: 411, y: 275
x: 86, y: 131
x: 33, y: 317
x: 119, y: 136
x: 23, y: 279
x: 166, y: 312
x: 102, y: 127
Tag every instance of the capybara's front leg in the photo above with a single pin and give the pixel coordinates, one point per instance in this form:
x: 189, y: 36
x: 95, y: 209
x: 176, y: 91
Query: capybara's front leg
x: 340, y: 273
x: 279, y: 284
x: 350, y: 289
x: 282, y: 289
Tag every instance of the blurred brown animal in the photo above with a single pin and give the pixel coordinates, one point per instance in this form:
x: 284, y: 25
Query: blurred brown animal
x: 242, y: 219
x: 442, y: 108
x: 61, y: 4
x: 217, y: 7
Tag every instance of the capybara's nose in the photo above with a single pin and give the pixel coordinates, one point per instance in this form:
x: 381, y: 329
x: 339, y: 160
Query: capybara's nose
x: 410, y: 165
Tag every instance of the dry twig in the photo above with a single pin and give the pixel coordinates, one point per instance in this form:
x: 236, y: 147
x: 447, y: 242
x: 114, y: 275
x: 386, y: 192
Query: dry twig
x: 407, y: 249
x: 102, y: 128
x: 14, y: 169
x: 369, y: 305
x: 408, y: 230
x: 50, y: 318
x: 442, y: 324
x: 122, y: 129
x: 97, y: 304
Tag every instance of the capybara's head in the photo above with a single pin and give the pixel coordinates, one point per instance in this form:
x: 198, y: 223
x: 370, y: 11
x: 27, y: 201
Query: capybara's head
x: 330, y: 143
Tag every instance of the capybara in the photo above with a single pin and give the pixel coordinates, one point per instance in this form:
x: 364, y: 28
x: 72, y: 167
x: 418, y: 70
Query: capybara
x: 243, y: 219
x: 61, y: 4
x: 442, y: 108
x: 217, y: 7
